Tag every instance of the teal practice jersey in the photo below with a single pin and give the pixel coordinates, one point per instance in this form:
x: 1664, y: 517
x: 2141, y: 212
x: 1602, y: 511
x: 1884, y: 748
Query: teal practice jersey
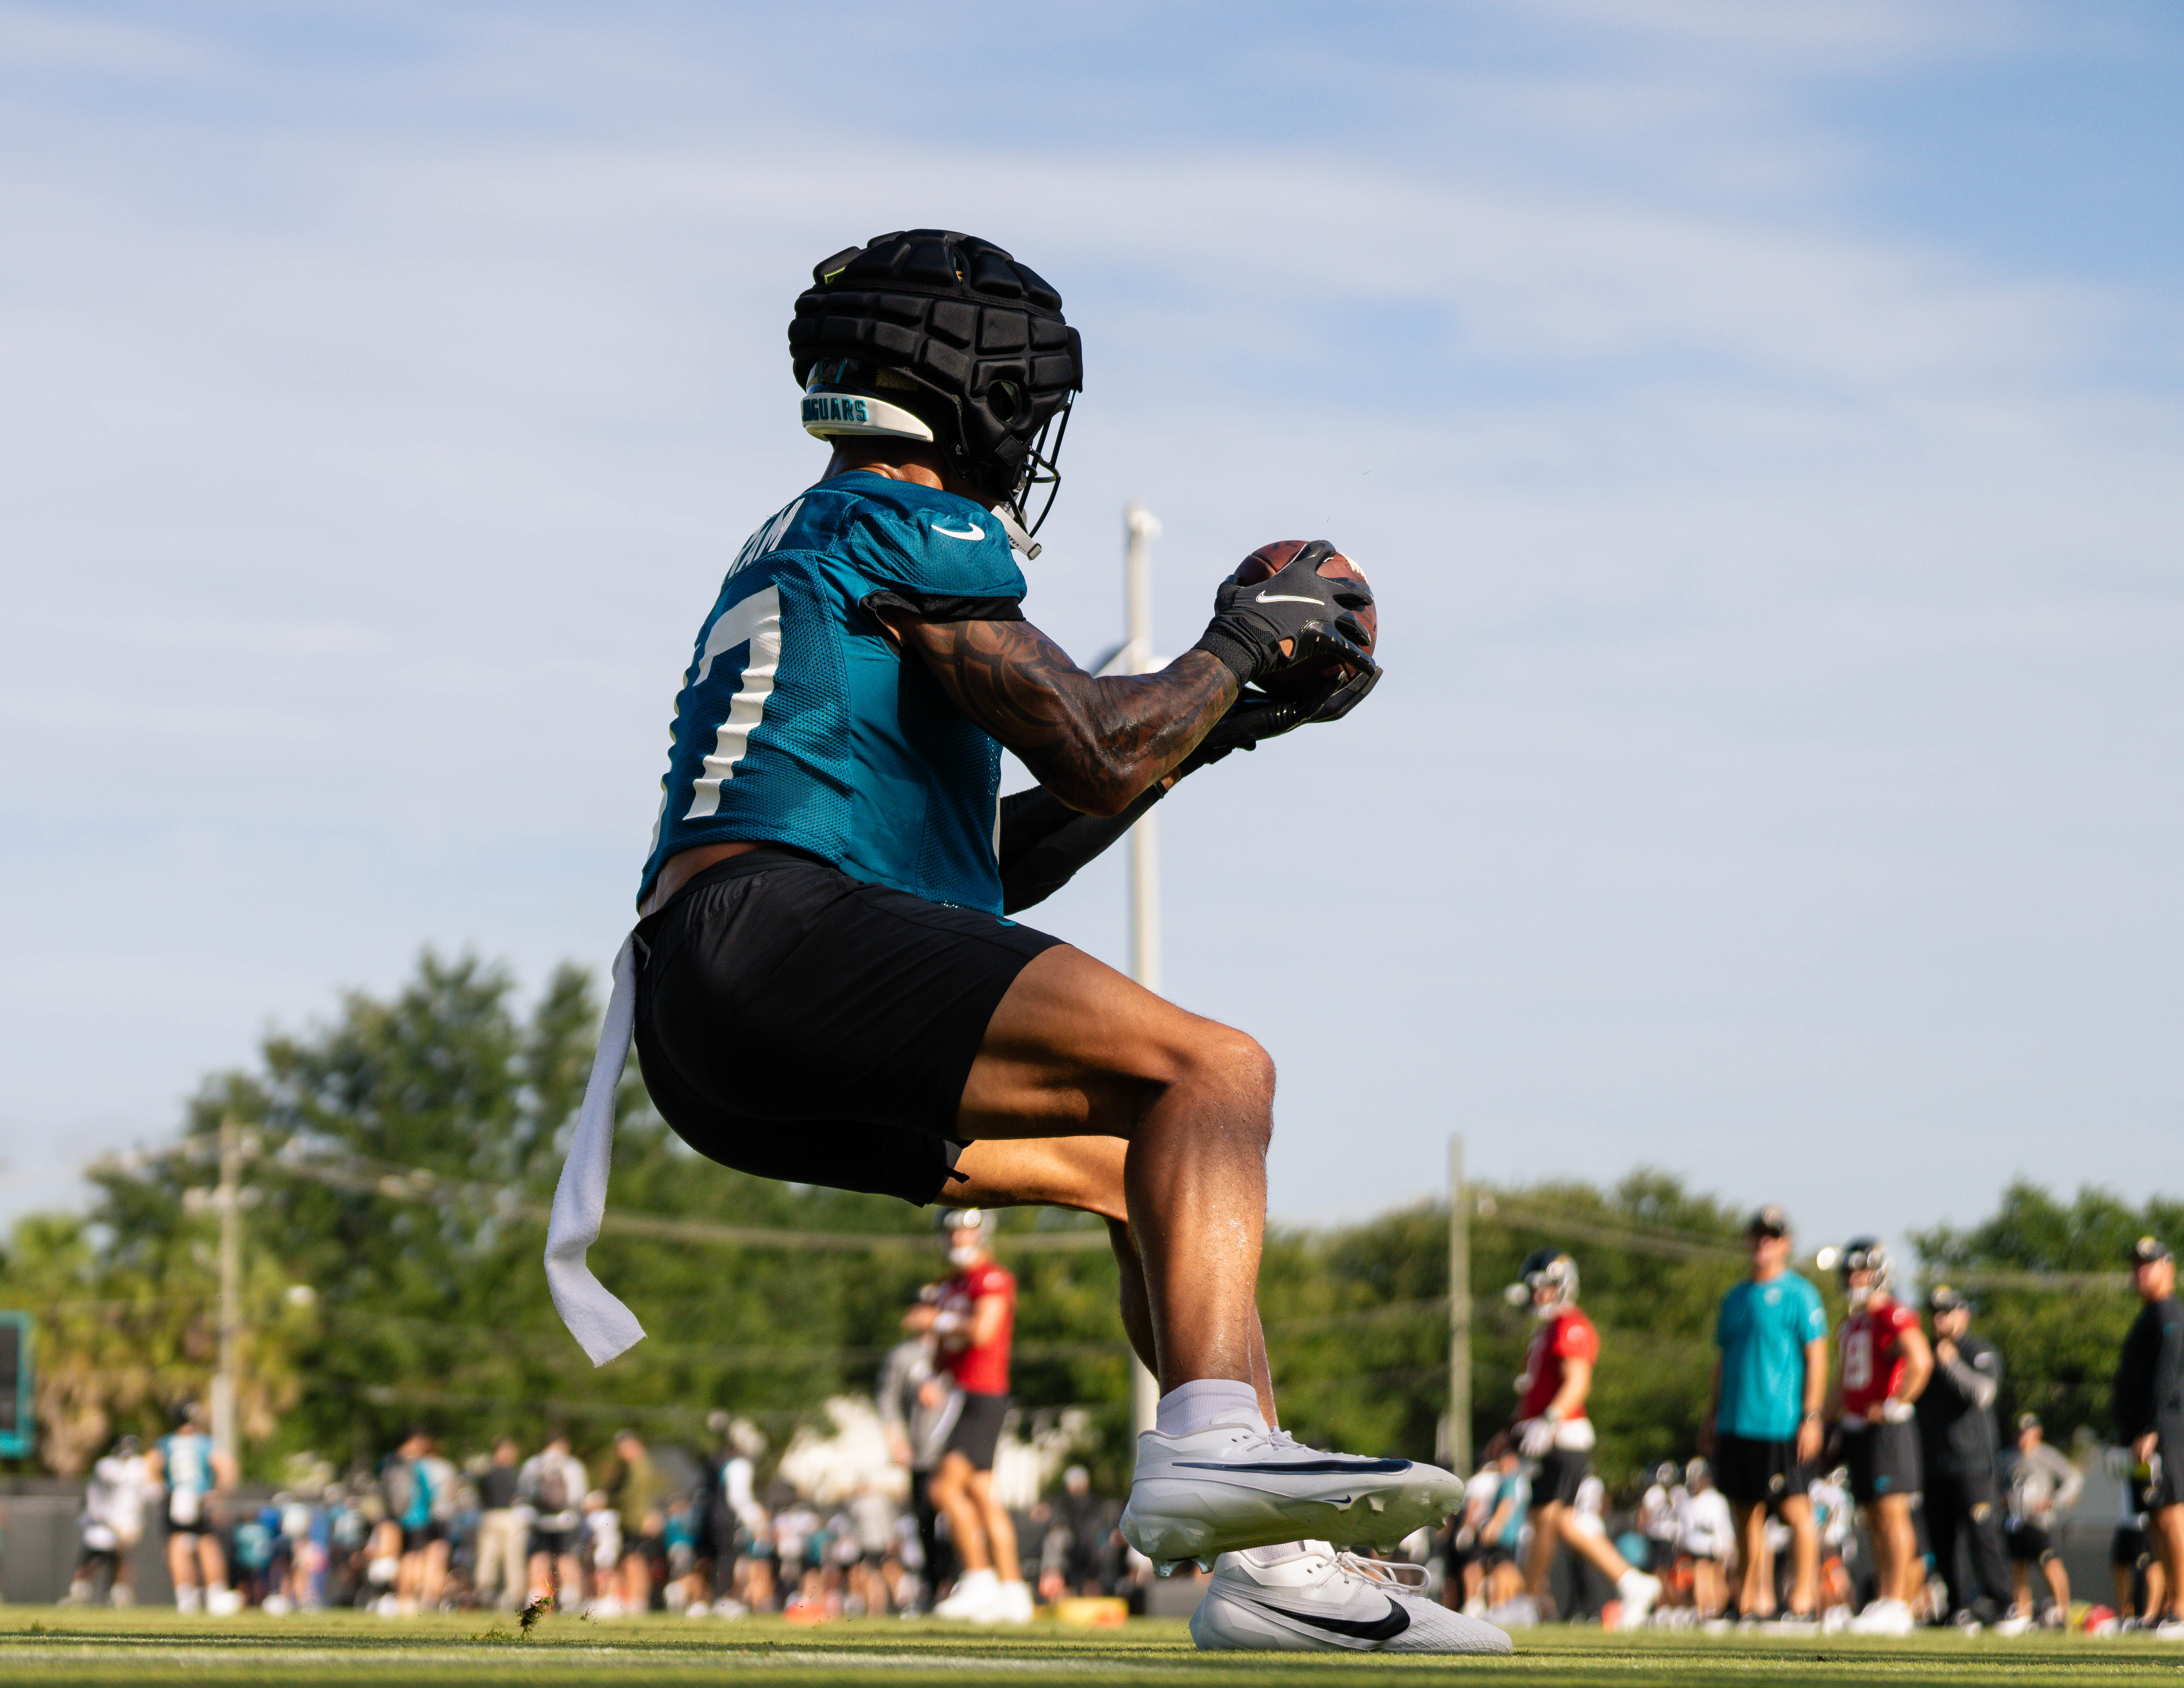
x: 799, y: 723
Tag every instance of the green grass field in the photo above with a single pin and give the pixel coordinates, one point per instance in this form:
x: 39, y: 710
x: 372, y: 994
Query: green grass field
x: 46, y: 1645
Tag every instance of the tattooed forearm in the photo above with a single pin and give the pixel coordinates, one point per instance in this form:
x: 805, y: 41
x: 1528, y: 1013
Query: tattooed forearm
x: 1094, y: 743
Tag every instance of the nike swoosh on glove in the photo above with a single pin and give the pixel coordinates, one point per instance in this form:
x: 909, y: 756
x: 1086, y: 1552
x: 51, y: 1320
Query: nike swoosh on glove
x: 1295, y: 605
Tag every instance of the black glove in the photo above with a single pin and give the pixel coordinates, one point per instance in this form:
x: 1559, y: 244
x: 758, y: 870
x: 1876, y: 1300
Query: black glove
x: 1293, y: 604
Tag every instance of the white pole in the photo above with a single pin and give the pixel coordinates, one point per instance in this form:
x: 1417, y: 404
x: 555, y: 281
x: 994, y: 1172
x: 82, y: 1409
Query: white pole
x: 224, y: 1428
x: 1456, y: 1440
x: 1141, y: 527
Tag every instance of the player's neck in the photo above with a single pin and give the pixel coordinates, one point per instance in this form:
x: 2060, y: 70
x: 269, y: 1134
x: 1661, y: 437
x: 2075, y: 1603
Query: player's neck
x: 895, y: 459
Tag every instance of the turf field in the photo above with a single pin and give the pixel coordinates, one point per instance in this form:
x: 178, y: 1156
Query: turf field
x: 46, y: 1645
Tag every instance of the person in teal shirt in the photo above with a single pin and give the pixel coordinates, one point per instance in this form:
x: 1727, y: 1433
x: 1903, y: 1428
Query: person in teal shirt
x: 1763, y: 1428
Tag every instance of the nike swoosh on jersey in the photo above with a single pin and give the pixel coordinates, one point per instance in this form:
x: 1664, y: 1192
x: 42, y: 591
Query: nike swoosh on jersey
x: 1379, y: 1629
x: 973, y: 532
x: 1284, y: 598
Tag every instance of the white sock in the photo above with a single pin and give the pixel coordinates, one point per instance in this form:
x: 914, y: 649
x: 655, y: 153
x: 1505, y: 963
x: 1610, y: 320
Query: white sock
x: 1195, y: 1405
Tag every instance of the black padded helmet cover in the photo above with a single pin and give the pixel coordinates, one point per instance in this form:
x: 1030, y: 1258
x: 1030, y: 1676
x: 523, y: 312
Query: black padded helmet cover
x: 956, y: 330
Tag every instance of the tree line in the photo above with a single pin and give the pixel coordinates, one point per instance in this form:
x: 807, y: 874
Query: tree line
x: 402, y: 1155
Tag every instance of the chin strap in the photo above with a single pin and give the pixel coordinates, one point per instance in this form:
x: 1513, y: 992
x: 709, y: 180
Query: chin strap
x: 601, y: 1324
x: 1015, y: 529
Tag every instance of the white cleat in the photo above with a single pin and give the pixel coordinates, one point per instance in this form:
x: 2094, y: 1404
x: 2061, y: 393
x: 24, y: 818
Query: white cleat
x: 1884, y: 1617
x: 977, y: 1599
x: 1312, y: 1599
x: 1013, y: 1603
x: 1237, y: 1484
x: 1637, y: 1591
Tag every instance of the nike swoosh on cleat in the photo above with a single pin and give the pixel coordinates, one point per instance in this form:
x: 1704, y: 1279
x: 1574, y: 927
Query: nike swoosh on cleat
x: 1284, y: 598
x: 1379, y: 1629
x: 1302, y: 1468
x: 975, y: 531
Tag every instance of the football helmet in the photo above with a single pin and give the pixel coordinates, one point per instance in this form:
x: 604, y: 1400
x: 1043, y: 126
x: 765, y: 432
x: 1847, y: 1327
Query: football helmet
x: 1551, y: 1267
x: 931, y: 335
x: 1866, y: 1255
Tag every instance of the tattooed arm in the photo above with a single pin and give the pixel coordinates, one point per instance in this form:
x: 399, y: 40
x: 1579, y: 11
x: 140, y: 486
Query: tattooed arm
x: 1094, y: 743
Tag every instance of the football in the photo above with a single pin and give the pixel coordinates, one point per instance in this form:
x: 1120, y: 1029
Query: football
x: 1268, y: 559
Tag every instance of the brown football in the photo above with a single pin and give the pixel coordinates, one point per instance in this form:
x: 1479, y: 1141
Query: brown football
x: 1265, y: 560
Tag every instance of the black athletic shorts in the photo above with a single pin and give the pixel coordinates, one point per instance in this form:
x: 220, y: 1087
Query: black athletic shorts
x: 797, y: 1024
x: 2129, y: 1550
x: 2167, y: 1487
x: 557, y: 1543
x: 1752, y: 1472
x: 2030, y: 1544
x: 977, y: 1429
x: 1561, y: 1471
x: 416, y: 1539
x: 1883, y: 1460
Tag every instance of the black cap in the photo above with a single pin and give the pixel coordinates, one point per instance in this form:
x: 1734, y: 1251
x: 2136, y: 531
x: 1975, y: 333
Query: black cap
x: 1941, y: 1299
x: 2148, y: 1250
x: 1770, y: 1221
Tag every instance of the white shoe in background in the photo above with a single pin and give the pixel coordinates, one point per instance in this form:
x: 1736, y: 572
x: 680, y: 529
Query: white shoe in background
x: 1637, y: 1591
x: 1308, y: 1598
x: 976, y: 1596
x: 1884, y: 1617
x: 1013, y: 1603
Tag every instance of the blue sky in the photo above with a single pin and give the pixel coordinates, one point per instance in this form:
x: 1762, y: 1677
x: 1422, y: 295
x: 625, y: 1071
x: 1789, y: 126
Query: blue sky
x: 1760, y: 424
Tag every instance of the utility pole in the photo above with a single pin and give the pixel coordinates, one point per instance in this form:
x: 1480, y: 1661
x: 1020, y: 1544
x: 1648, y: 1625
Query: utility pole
x: 229, y: 1200
x: 1139, y: 528
x: 1457, y: 1435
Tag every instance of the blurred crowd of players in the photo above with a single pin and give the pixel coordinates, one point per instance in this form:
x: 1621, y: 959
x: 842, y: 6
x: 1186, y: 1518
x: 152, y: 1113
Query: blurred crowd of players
x: 1858, y: 1484
x: 650, y: 1529
x: 1861, y: 1484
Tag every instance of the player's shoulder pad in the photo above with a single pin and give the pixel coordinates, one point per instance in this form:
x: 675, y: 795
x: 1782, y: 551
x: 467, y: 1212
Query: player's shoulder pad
x: 925, y: 540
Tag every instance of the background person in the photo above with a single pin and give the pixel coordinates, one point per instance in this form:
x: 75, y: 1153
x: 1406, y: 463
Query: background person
x: 1762, y: 1431
x: 919, y: 1405
x: 504, y: 1529
x: 640, y: 1503
x: 2149, y: 1394
x: 112, y: 1525
x: 1886, y: 1363
x: 1501, y: 1538
x: 552, y: 1484
x: 420, y: 1490
x: 2142, y: 1591
x: 1708, y: 1539
x: 194, y: 1475
x: 1660, y: 1522
x: 2041, y: 1484
x: 1960, y: 1452
x: 1551, y: 1427
x: 971, y: 1320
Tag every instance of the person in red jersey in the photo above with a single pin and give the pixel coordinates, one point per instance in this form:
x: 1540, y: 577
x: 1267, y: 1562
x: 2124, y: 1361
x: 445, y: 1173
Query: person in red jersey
x: 1886, y: 1361
x: 1551, y: 1427
x: 971, y: 1317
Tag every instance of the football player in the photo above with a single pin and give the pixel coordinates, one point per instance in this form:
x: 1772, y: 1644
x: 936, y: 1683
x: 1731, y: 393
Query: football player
x: 1886, y: 1364
x: 1551, y: 1427
x: 824, y: 985
x: 2149, y: 1394
x: 194, y: 1472
x: 972, y: 1316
